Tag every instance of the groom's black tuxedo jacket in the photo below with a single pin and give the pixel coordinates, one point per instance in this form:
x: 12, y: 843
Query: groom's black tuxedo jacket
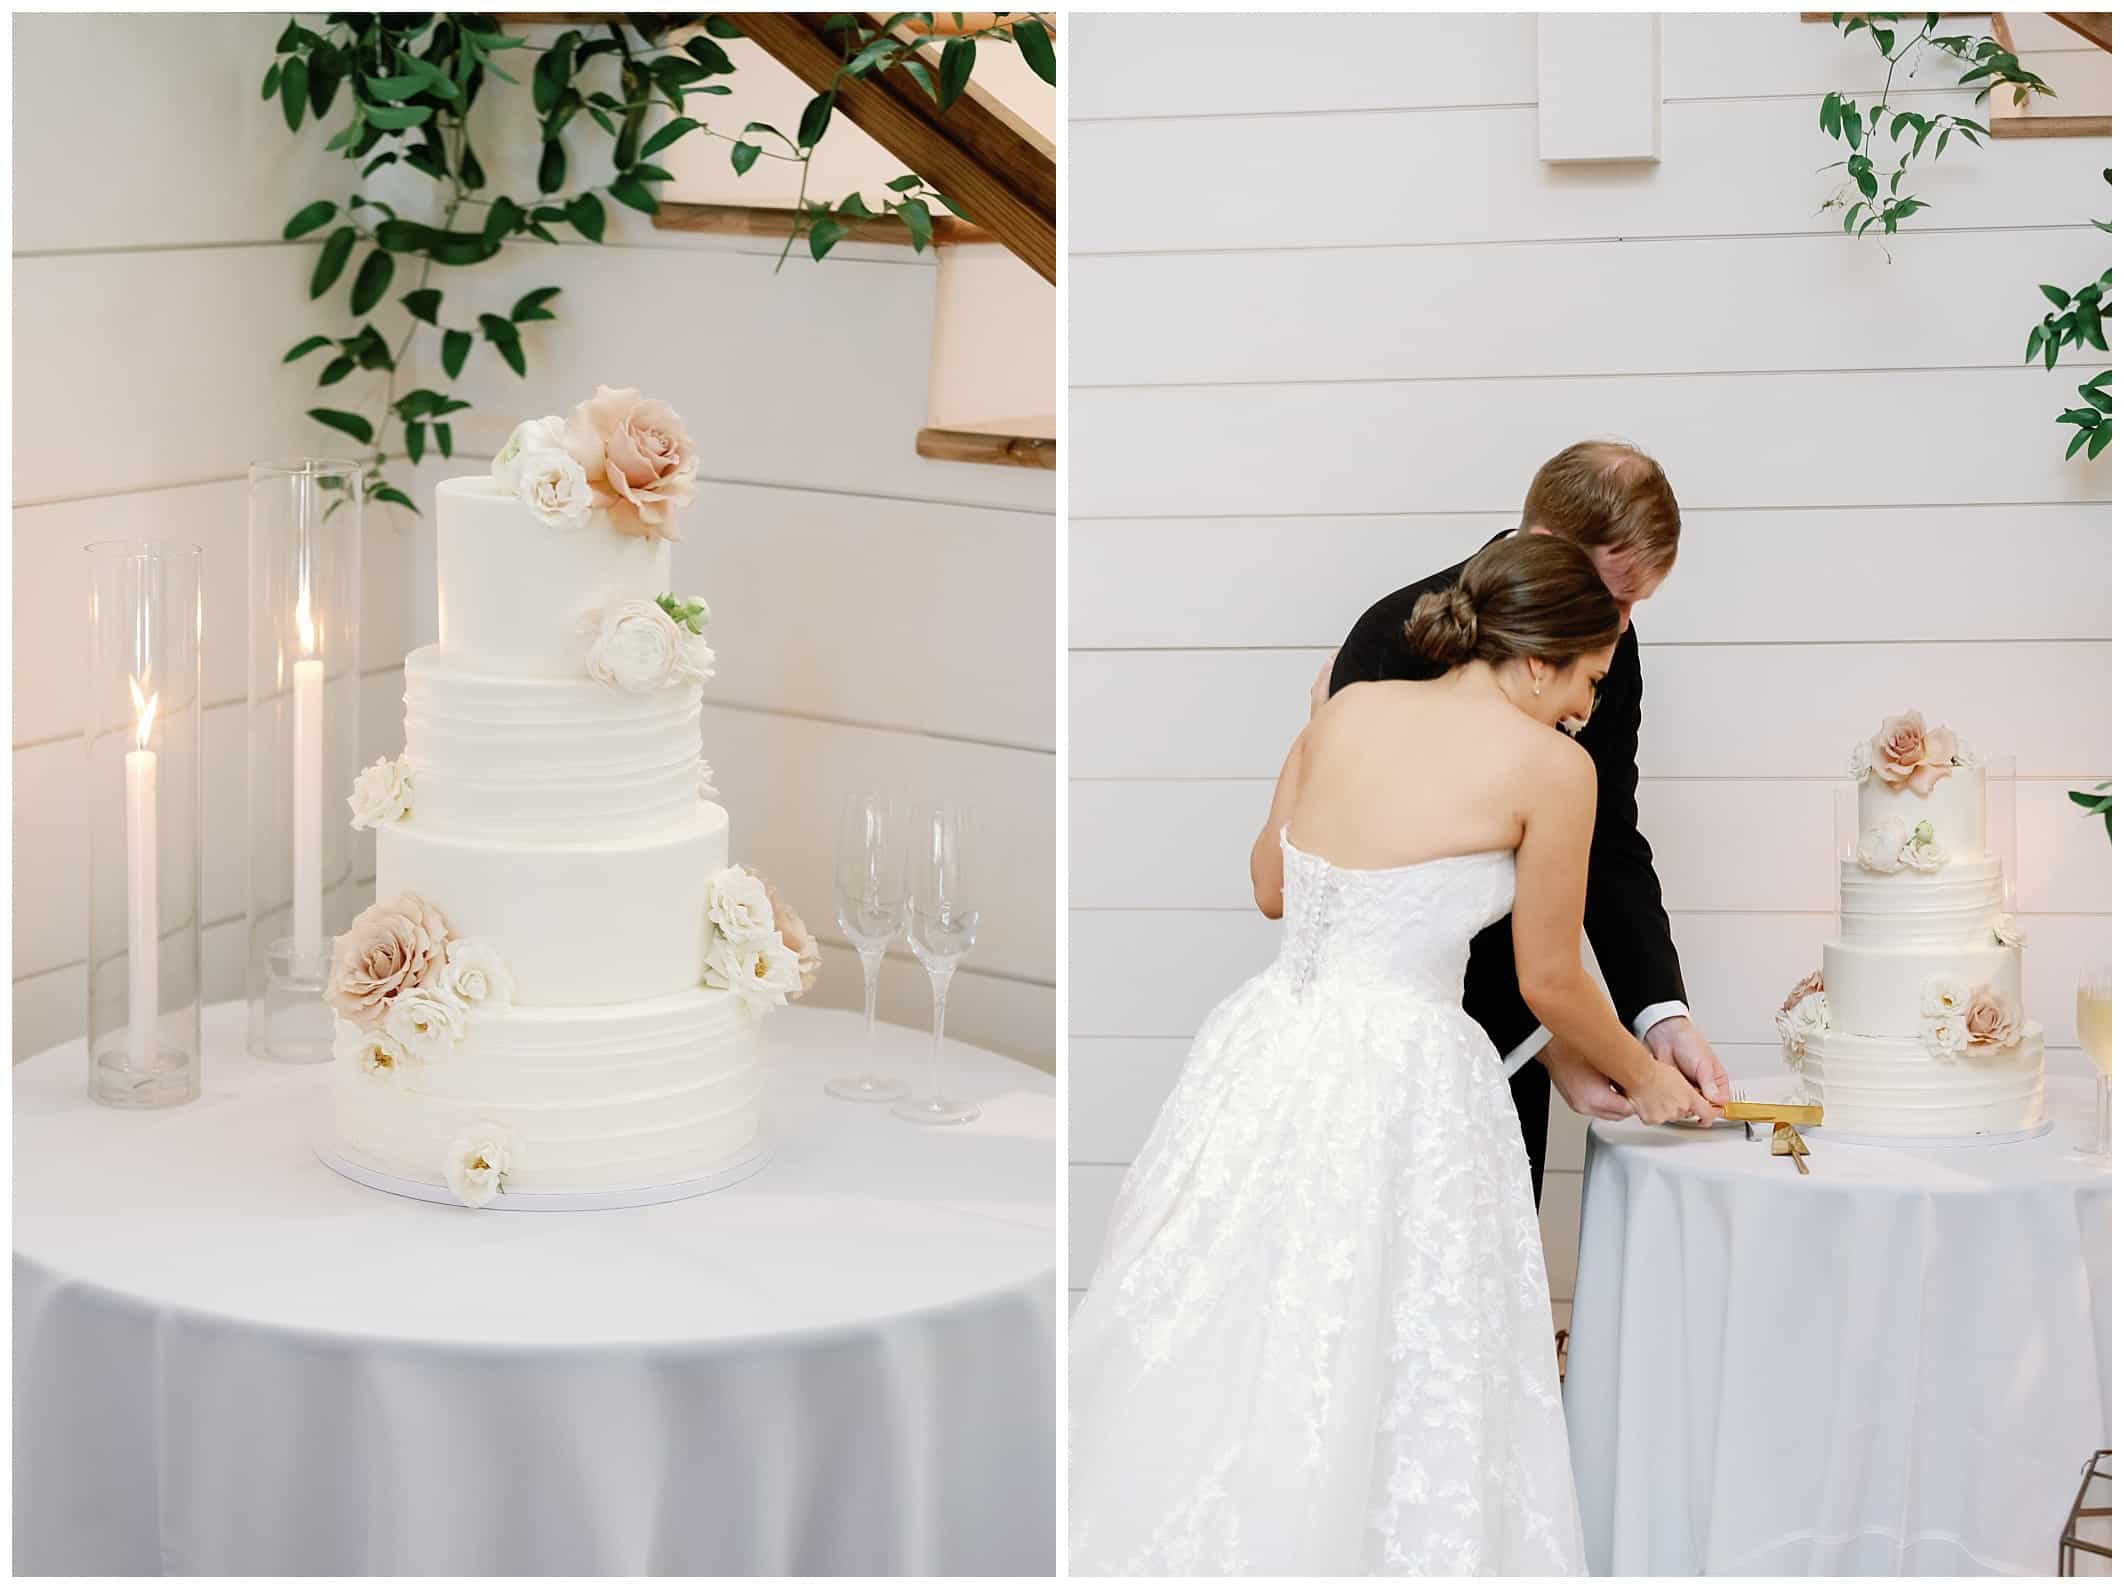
x: 1625, y: 921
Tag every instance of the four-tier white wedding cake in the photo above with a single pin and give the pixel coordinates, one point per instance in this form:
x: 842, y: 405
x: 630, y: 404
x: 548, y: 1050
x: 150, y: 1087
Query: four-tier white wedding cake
x: 559, y: 985
x: 1914, y: 1025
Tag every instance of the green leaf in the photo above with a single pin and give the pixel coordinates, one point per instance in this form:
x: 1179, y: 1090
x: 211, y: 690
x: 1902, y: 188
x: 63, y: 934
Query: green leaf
x: 946, y: 200
x: 2078, y: 441
x: 394, y: 495
x: 1037, y: 48
x: 336, y: 371
x: 375, y: 278
x: 2058, y: 296
x: 455, y: 345
x: 670, y: 133
x: 1852, y: 124
x: 2035, y: 344
x: 423, y: 303
x: 742, y: 155
x: 470, y: 171
x: 854, y: 205
x: 504, y: 215
x: 442, y: 439
x: 2101, y: 440
x: 1884, y: 41
x: 305, y: 348
x: 710, y: 55
x: 816, y: 116
x: 1853, y: 214
x: 920, y: 73
x: 403, y: 87
x: 396, y: 118
x: 916, y: 216
x: 272, y: 82
x: 505, y: 339
x: 902, y: 184
x: 643, y: 171
x: 416, y: 440
x: 552, y: 168
x: 388, y: 157
x: 632, y: 194
x: 309, y: 218
x: 586, y: 212
x: 331, y: 261
x: 825, y: 232
x: 294, y: 92
x: 348, y: 424
x: 723, y: 28
x: 532, y: 305
x: 956, y: 69
x: 1867, y: 183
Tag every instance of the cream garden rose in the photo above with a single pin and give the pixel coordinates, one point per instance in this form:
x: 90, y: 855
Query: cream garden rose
x: 427, y: 1023
x: 388, y: 951
x: 1943, y: 995
x: 1807, y: 1018
x: 795, y: 936
x: 2008, y: 933
x: 1992, y: 1019
x: 383, y: 793
x: 475, y: 979
x: 480, y: 1162
x: 1923, y: 852
x: 740, y: 907
x: 532, y: 436
x: 1946, y: 1036
x: 1905, y: 754
x: 552, y: 485
x: 640, y: 463
x: 1880, y: 848
x: 376, y: 1053
x: 763, y: 973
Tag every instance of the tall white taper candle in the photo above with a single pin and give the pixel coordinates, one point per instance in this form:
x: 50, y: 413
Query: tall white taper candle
x: 143, y: 941
x: 309, y: 807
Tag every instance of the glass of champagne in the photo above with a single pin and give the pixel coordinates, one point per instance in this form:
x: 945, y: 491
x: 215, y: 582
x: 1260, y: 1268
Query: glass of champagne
x: 868, y: 888
x: 2092, y: 1018
x: 941, y: 923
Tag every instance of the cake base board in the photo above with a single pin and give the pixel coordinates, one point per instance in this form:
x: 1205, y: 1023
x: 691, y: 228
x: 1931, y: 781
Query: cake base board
x: 1981, y: 1139
x: 729, y: 1173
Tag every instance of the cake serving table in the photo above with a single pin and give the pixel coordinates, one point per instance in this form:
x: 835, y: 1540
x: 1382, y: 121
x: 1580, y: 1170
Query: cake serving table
x: 1896, y: 1363
x: 229, y: 1359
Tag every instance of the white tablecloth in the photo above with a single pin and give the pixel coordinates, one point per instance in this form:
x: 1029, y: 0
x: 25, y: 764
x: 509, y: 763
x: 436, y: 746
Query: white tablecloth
x: 1896, y: 1364
x: 228, y: 1359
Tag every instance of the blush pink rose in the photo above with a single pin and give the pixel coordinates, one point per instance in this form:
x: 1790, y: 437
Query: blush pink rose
x: 637, y: 457
x: 1810, y: 983
x: 1899, y: 749
x: 795, y: 936
x: 389, y: 949
x: 1993, y: 1021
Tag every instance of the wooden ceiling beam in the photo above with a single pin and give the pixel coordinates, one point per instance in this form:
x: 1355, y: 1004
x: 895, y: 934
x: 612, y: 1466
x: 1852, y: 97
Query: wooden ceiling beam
x: 2092, y: 26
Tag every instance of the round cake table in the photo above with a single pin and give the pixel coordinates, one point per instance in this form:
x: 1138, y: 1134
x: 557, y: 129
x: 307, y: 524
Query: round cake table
x: 229, y: 1359
x: 1896, y: 1363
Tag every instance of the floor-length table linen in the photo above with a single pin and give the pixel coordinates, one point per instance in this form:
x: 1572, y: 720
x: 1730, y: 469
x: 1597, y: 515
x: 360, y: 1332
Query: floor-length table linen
x: 1894, y: 1364
x: 229, y: 1359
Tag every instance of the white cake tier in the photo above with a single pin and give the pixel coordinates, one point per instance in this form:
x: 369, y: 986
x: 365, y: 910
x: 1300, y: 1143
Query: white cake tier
x: 580, y: 923
x: 1876, y: 991
x: 632, y: 1095
x: 1952, y: 907
x: 1955, y: 808
x: 1894, y: 1088
x: 496, y: 757
x: 511, y: 590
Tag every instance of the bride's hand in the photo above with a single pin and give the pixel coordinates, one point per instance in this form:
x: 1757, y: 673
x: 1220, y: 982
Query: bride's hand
x: 1664, y: 1094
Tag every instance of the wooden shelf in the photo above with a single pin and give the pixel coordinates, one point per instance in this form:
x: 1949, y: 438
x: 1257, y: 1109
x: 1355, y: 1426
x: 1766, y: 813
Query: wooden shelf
x: 989, y: 446
x: 758, y: 220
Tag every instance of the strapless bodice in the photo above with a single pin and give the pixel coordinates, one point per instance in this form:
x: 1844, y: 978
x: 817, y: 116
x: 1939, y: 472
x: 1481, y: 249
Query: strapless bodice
x: 1401, y: 928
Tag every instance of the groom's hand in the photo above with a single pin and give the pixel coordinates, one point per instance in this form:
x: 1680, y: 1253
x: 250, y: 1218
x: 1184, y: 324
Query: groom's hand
x: 1322, y: 678
x: 1585, y: 1089
x: 1676, y: 1041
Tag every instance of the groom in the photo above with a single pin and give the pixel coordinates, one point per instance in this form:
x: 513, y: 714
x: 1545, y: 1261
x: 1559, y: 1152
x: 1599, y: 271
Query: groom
x: 1615, y: 503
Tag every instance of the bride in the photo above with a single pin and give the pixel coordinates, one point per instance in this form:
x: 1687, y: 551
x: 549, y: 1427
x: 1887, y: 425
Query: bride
x: 1318, y: 1339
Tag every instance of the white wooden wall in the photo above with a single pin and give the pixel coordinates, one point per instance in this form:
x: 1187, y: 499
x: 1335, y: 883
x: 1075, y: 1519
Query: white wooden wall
x: 875, y: 614
x: 1328, y: 314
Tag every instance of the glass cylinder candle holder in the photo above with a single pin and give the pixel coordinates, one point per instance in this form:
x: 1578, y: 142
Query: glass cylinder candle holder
x: 143, y: 807
x: 2002, y: 824
x: 304, y: 722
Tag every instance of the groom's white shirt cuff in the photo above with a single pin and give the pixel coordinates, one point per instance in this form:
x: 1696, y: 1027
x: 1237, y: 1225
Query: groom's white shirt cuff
x: 1647, y: 1018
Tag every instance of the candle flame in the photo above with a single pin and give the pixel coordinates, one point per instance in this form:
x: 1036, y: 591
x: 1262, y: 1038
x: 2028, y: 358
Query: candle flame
x: 144, y: 711
x: 302, y: 622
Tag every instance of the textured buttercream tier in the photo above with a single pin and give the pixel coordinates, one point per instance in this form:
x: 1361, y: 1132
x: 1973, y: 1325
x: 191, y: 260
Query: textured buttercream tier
x: 576, y: 924
x: 630, y: 1095
x: 1950, y: 908
x: 511, y: 590
x: 542, y: 758
x: 1893, y: 1088
x: 1955, y: 808
x: 1875, y: 990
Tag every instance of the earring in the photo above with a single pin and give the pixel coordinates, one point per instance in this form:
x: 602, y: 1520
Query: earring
x: 1537, y: 684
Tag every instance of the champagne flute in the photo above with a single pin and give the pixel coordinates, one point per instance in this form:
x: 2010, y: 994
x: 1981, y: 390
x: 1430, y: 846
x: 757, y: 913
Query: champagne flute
x: 2091, y: 1016
x: 867, y: 880
x: 941, y: 922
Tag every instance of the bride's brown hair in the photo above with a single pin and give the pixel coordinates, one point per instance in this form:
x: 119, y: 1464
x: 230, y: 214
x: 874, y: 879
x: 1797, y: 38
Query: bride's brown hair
x: 1528, y: 596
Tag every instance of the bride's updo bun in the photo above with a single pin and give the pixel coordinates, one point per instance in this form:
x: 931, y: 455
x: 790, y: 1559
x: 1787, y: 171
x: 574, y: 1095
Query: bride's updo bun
x: 1525, y: 596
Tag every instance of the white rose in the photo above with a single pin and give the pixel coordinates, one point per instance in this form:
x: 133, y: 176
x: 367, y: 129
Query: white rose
x: 553, y: 486
x: 1922, y: 855
x: 377, y: 1053
x: 637, y: 647
x: 2008, y: 933
x: 1946, y: 1036
x: 764, y: 973
x: 1862, y: 760
x: 532, y: 436
x: 480, y: 1161
x: 474, y: 977
x: 739, y: 908
x: 427, y: 1023
x: 696, y: 663
x: 383, y: 793
x: 1880, y: 849
x: 1807, y: 1019
x: 1943, y: 995
x: 706, y: 787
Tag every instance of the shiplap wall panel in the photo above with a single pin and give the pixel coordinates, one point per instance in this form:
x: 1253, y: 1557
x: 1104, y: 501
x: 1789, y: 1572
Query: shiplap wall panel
x: 1286, y: 409
x: 1787, y: 439
x: 1572, y: 309
x: 1233, y: 714
x: 1736, y: 167
x: 1744, y: 574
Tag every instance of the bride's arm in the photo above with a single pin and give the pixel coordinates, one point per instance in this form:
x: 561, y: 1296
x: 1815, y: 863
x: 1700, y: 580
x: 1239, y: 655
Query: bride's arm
x: 1548, y: 909
x: 1266, y: 862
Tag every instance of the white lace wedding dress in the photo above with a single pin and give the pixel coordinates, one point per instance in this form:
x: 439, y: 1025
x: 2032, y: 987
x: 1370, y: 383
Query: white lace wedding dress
x: 1318, y: 1339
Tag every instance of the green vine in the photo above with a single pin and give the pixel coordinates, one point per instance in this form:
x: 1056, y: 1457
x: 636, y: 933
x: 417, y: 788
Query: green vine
x: 411, y: 81
x: 2095, y: 803
x: 2076, y: 321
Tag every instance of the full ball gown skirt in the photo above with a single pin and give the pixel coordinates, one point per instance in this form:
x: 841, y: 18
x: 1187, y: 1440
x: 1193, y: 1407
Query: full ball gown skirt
x: 1318, y: 1339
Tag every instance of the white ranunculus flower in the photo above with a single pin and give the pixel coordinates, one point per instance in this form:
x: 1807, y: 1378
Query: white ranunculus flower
x: 2008, y: 933
x: 1809, y: 1018
x: 706, y: 787
x: 1880, y: 849
x: 739, y: 907
x: 1943, y: 995
x: 481, y: 1160
x: 553, y: 486
x: 1946, y: 1036
x: 1923, y: 854
x: 376, y: 1053
x: 475, y: 978
x: 763, y: 973
x: 634, y: 647
x: 428, y: 1023
x: 383, y: 793
x: 696, y: 663
x: 533, y: 435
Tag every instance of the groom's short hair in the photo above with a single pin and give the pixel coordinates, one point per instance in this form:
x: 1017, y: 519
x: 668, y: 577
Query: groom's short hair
x: 1607, y: 493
